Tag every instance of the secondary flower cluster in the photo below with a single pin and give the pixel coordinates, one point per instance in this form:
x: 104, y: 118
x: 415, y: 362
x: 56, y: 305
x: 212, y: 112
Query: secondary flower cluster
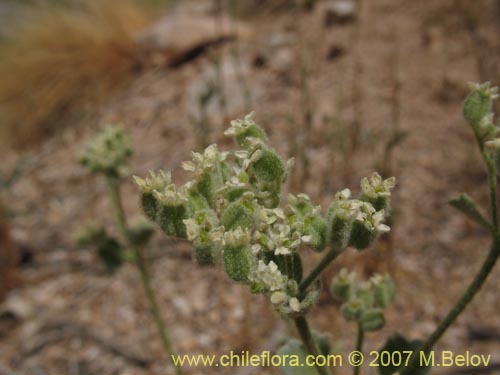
x: 231, y: 212
x: 363, y: 302
x: 108, y: 152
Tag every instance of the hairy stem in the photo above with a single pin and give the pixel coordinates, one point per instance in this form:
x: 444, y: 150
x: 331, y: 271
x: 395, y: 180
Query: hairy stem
x: 140, y: 261
x: 309, y: 342
x: 492, y: 182
x: 462, y: 303
x: 327, y: 259
x: 359, y: 347
x: 153, y: 305
x: 478, y: 280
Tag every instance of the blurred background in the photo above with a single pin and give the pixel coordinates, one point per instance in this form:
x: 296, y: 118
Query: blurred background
x: 345, y: 86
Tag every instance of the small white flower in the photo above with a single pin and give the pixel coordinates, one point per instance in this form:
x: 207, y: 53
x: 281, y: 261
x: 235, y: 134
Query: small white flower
x: 494, y: 144
x: 256, y: 248
x: 269, y: 275
x: 192, y: 229
x: 205, y: 162
x: 237, y: 237
x: 282, y: 251
x: 277, y: 298
x: 306, y: 239
x: 171, y: 196
x: 294, y: 304
x: 376, y: 187
x: 343, y: 195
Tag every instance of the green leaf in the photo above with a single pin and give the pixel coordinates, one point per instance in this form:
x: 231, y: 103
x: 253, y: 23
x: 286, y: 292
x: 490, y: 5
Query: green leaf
x: 111, y: 254
x: 322, y: 340
x: 398, y: 343
x: 296, y: 355
x: 140, y: 234
x: 465, y: 204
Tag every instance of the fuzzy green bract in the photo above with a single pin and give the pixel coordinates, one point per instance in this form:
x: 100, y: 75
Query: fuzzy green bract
x: 233, y: 212
x: 363, y: 302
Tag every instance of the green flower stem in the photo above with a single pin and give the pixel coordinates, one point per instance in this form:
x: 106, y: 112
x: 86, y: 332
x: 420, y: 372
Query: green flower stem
x: 492, y: 182
x: 327, y: 259
x: 462, y: 303
x: 117, y: 205
x: 309, y: 342
x: 140, y: 261
x: 153, y: 305
x: 478, y: 281
x: 359, y: 346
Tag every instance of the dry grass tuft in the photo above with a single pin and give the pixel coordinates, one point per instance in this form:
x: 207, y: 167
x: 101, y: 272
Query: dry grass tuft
x: 65, y: 58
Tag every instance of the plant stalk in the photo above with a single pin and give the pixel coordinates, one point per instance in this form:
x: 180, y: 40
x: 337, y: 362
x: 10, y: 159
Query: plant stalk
x: 327, y: 259
x: 309, y: 342
x: 479, y: 279
x: 140, y: 261
x: 462, y: 303
x: 359, y: 347
x: 492, y: 182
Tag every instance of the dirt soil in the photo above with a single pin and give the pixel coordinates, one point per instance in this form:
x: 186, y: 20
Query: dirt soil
x: 69, y: 316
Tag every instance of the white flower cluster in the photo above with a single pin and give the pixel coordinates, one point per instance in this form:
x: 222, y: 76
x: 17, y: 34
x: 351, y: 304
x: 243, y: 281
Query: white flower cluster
x: 230, y: 211
x: 206, y: 162
x: 170, y: 195
x: 240, y: 126
x: 372, y: 219
x: 485, y: 89
x: 108, y: 152
x: 377, y: 187
x: 153, y: 181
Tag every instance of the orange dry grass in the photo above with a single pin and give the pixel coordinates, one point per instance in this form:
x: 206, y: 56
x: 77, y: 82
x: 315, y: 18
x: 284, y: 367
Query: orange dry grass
x: 65, y: 58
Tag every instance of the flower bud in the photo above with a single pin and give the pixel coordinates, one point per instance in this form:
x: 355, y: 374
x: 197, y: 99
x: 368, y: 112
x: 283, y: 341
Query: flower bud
x: 172, y: 210
x: 269, y: 168
x: 384, y: 290
x: 361, y: 236
x: 147, y: 186
x: 237, y: 262
x: 342, y: 286
x: 149, y: 205
x: 203, y: 254
x: 253, y: 131
x: 367, y: 226
x: 339, y: 225
x: 479, y: 102
x: 244, y: 130
x: 352, y: 309
x: 236, y: 254
x: 170, y: 218
x: 111, y: 254
x: 364, y: 292
x: 318, y: 233
x: 91, y: 234
x: 296, y: 307
x: 377, y: 191
x: 141, y: 232
x: 372, y: 320
x: 238, y: 214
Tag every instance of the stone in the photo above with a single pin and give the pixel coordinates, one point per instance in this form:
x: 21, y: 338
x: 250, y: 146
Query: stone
x: 177, y: 38
x: 339, y: 12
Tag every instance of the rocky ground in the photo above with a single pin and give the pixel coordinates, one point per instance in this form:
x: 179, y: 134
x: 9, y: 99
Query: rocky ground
x: 69, y: 317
